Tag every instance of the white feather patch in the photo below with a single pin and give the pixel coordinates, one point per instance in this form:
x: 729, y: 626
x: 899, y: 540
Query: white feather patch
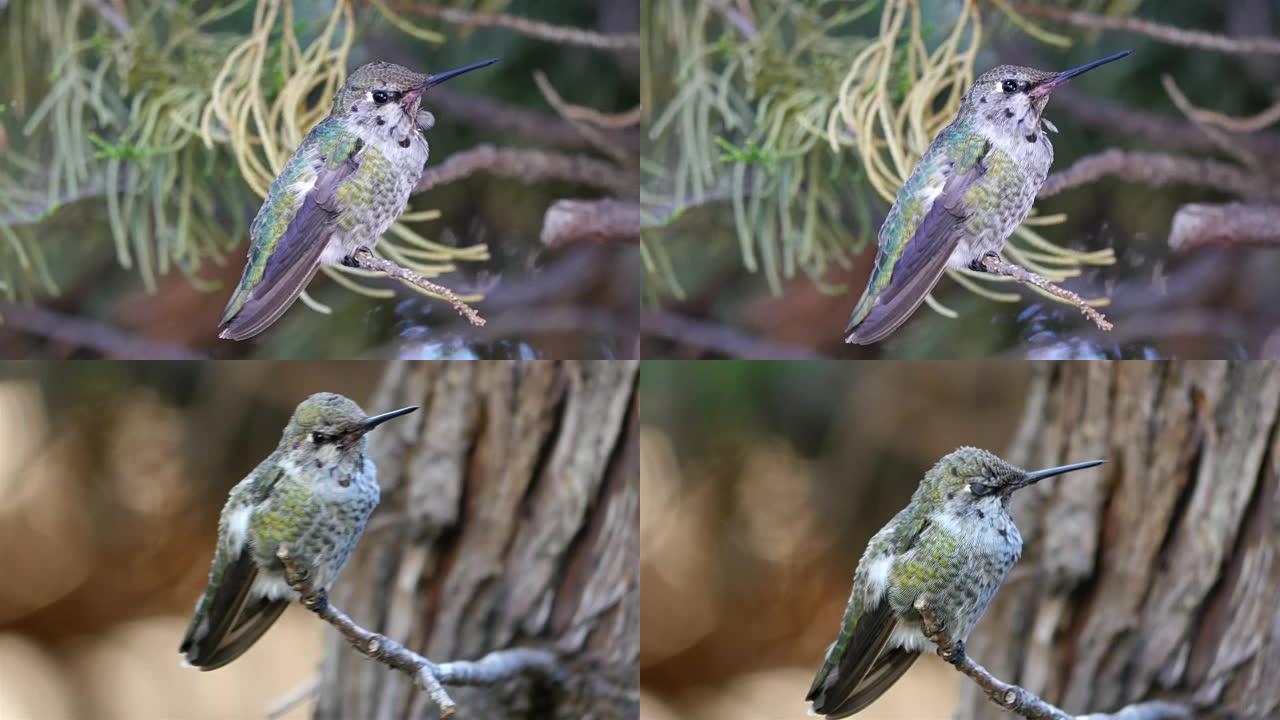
x: 238, y: 526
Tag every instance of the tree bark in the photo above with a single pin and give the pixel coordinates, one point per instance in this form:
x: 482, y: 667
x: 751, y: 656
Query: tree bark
x: 1156, y: 576
x: 509, y: 517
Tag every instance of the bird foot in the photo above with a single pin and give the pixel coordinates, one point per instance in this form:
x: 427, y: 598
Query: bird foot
x: 350, y: 261
x: 955, y: 653
x: 317, y: 602
x: 980, y: 264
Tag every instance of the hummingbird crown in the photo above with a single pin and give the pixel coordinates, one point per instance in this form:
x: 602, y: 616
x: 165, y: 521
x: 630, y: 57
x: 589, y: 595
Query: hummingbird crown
x: 971, y: 472
x: 324, y: 415
x: 378, y: 90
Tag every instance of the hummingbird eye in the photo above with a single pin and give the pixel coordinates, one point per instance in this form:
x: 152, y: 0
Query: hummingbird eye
x: 979, y: 489
x: 320, y: 438
x: 380, y: 96
x: 1010, y: 86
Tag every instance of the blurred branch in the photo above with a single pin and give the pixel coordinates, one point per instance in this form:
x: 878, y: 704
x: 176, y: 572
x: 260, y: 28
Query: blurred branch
x: 589, y: 121
x: 994, y: 264
x: 368, y: 261
x: 568, y: 221
x: 1223, y: 141
x: 736, y: 18
x: 726, y: 341
x: 1197, y: 225
x: 1022, y: 701
x: 114, y: 18
x: 488, y: 670
x: 533, y: 28
x: 1157, y: 169
x: 529, y: 125
x: 1164, y: 33
x: 530, y: 166
x: 1159, y: 130
x: 80, y: 332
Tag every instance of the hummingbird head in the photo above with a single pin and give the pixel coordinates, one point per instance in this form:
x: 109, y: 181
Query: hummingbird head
x: 327, y: 425
x: 1012, y: 98
x: 386, y: 92
x: 970, y: 475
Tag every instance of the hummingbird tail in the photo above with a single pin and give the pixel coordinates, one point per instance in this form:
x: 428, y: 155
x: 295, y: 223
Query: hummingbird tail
x: 229, y: 622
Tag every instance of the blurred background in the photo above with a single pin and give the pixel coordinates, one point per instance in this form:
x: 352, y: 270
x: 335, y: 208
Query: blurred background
x: 111, y: 483
x: 760, y: 486
x: 763, y: 205
x: 130, y: 168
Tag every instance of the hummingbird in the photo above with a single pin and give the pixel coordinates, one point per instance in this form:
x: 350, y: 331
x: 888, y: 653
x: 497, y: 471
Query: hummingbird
x: 970, y: 190
x: 950, y: 548
x: 314, y: 494
x: 339, y: 191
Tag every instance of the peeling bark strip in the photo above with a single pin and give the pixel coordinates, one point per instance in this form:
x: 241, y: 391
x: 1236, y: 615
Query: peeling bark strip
x: 1159, y: 576
x: 509, y: 516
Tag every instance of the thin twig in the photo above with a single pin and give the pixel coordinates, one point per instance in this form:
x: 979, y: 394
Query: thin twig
x: 489, y: 670
x: 1220, y: 138
x: 293, y: 699
x: 993, y: 264
x: 533, y: 28
x: 1164, y: 33
x: 80, y: 332
x: 736, y: 17
x: 588, y: 121
x: 529, y: 166
x: 1019, y: 700
x: 367, y: 260
x: 1158, y: 169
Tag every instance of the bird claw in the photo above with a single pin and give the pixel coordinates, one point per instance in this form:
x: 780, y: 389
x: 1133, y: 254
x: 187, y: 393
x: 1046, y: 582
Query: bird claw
x: 317, y: 602
x: 350, y: 261
x: 980, y: 264
x: 955, y: 653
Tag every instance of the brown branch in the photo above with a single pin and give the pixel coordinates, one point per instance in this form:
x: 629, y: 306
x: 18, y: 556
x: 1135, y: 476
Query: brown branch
x: 1164, y: 33
x: 1021, y: 701
x: 1223, y: 141
x: 732, y: 343
x: 81, y: 332
x: 590, y: 122
x: 993, y: 264
x: 530, y: 166
x: 533, y: 28
x: 568, y: 221
x: 517, y: 123
x: 488, y: 670
x: 367, y: 260
x: 1198, y: 225
x: 1157, y: 169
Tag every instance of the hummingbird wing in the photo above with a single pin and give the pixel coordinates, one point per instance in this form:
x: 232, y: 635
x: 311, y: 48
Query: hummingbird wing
x: 901, y: 280
x: 291, y: 231
x: 227, y: 621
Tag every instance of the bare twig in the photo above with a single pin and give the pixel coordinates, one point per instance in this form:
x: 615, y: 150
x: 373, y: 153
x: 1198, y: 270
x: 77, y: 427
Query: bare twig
x: 111, y: 342
x: 1019, y: 700
x: 1157, y: 169
x: 726, y: 341
x: 993, y: 264
x: 115, y: 18
x: 293, y: 698
x: 530, y: 166
x: 518, y: 123
x: 1223, y: 141
x: 532, y: 28
x: 568, y: 221
x: 1198, y: 225
x: 489, y: 670
x: 1164, y: 33
x: 738, y: 18
x: 588, y: 121
x: 367, y: 260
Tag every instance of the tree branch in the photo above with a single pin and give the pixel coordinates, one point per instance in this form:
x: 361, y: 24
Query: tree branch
x: 533, y: 28
x: 1157, y: 169
x: 994, y: 264
x: 1164, y: 33
x: 1022, y: 701
x: 530, y: 166
x: 567, y: 221
x: 489, y: 670
x: 99, y: 337
x: 1197, y: 225
x: 365, y: 259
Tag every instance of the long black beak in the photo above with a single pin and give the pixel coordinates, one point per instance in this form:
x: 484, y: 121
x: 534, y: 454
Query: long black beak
x: 1048, y: 86
x: 434, y: 80
x: 1035, y: 477
x: 373, y: 422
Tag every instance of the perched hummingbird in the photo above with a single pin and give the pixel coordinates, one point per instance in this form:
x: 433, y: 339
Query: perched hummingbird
x: 342, y: 188
x: 314, y: 493
x: 951, y: 548
x: 969, y: 192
